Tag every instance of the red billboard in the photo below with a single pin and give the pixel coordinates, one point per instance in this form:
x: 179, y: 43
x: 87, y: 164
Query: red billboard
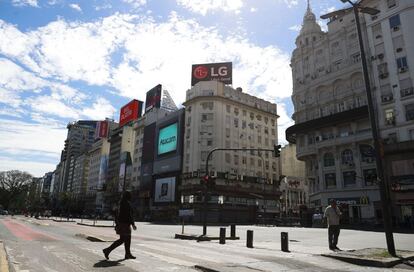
x: 212, y: 71
x: 102, y: 129
x: 153, y: 99
x: 130, y: 112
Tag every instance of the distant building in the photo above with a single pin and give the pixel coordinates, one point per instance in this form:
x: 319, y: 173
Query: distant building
x: 294, y: 186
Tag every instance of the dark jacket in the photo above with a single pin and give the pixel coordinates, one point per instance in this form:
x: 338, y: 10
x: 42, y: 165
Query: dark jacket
x: 125, y: 214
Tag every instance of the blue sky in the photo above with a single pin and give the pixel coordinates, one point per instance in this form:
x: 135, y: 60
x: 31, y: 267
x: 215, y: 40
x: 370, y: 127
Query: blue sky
x: 83, y: 59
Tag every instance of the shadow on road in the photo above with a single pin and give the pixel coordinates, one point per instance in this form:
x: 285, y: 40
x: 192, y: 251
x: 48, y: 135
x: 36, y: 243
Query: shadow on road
x: 106, y: 263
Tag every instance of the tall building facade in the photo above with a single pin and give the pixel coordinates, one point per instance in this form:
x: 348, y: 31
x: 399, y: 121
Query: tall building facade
x: 332, y: 130
x: 218, y: 116
x: 391, y: 43
x: 81, y: 135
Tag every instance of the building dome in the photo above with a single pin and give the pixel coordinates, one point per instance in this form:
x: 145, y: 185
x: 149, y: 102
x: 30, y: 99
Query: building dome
x: 309, y: 22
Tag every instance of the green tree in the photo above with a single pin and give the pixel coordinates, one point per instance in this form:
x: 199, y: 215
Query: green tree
x: 13, y: 185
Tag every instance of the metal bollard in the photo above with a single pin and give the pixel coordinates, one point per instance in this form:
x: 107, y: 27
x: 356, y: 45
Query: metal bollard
x: 233, y: 231
x: 222, y: 236
x: 284, y: 240
x: 249, y: 240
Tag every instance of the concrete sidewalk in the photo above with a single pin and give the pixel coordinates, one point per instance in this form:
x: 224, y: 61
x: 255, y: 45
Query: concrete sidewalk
x: 4, y: 264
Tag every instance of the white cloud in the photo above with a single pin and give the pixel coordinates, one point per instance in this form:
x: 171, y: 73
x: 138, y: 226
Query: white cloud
x: 75, y: 7
x: 99, y: 110
x: 22, y: 3
x: 50, y: 105
x: 205, y: 6
x: 291, y: 3
x: 37, y: 169
x: 104, y: 6
x: 136, y: 3
x: 23, y: 137
x: 296, y: 28
x: 253, y: 9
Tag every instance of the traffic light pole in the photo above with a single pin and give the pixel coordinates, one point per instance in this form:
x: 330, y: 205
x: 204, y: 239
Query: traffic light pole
x: 205, y: 191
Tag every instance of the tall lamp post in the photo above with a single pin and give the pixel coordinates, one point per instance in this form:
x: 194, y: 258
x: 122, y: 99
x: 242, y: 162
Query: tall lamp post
x: 358, y: 8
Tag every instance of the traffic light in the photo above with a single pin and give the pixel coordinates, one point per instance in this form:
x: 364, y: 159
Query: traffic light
x: 277, y: 150
x: 208, y: 181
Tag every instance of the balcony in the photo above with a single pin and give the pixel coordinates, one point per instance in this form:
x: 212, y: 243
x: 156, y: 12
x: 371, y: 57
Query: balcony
x: 407, y: 92
x: 326, y: 121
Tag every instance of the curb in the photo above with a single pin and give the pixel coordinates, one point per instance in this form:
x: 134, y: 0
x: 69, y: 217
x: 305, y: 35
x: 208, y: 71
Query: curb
x: 4, y: 263
x: 205, y: 269
x: 71, y: 221
x: 201, y: 237
x: 370, y: 262
x: 93, y: 238
x: 99, y: 226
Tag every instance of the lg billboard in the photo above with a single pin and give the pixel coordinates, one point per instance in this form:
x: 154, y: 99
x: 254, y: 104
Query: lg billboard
x: 130, y: 112
x: 212, y: 71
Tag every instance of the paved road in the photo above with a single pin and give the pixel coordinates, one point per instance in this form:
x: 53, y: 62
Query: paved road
x: 45, y: 245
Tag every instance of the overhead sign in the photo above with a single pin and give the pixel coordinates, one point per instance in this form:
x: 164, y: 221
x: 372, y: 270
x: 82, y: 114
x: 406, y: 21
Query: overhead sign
x: 167, y: 139
x: 130, y: 112
x: 212, y: 71
x: 153, y: 99
x: 102, y: 129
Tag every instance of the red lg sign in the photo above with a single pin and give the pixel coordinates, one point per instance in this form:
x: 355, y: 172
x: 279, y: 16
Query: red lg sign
x: 200, y: 72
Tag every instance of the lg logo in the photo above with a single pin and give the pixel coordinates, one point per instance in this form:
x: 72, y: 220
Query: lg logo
x: 201, y: 72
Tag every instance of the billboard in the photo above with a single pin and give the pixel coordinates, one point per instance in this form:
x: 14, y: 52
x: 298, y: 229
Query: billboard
x: 130, y: 112
x: 164, y: 190
x: 167, y: 139
x: 102, y: 129
x: 103, y: 171
x: 153, y: 99
x: 212, y: 71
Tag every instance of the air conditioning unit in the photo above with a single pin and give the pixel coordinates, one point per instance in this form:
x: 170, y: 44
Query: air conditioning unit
x: 396, y: 28
x: 386, y: 98
x: 399, y: 49
x: 373, y: 58
x: 406, y: 92
x: 318, y: 138
x: 374, y: 17
x: 351, y: 164
x: 327, y: 71
x: 383, y: 75
x: 402, y: 69
x: 381, y: 56
x: 378, y: 36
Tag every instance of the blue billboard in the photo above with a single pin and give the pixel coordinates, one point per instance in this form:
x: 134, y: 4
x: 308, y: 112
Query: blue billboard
x: 167, y: 139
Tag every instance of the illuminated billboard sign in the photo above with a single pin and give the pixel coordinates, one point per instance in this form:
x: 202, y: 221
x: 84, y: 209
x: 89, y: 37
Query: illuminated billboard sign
x: 164, y: 190
x: 153, y: 99
x: 102, y: 129
x: 212, y: 71
x: 130, y: 112
x: 167, y: 139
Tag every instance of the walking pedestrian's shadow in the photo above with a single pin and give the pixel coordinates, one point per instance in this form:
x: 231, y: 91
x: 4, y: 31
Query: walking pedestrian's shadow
x: 106, y: 263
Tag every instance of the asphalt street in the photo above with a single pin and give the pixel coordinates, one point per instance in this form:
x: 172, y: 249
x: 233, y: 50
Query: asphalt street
x: 45, y: 245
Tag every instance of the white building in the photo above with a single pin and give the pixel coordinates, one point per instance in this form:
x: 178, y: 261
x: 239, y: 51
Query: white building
x: 218, y: 116
x: 332, y: 131
x: 391, y: 42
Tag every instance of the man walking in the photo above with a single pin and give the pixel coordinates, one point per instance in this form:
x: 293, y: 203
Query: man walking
x: 333, y: 214
x: 124, y: 221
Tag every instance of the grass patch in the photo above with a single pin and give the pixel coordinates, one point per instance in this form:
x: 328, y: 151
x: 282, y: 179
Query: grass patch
x: 381, y: 254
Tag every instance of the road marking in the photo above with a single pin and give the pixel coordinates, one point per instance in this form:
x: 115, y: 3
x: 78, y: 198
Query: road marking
x: 24, y: 232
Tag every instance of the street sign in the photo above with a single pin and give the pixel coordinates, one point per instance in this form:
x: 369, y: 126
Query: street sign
x: 186, y: 212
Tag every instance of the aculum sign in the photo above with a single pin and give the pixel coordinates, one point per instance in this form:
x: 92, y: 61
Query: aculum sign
x: 212, y: 71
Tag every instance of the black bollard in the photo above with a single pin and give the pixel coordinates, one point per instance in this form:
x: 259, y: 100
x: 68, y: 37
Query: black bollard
x: 222, y: 236
x: 284, y: 240
x: 249, y: 241
x: 233, y: 231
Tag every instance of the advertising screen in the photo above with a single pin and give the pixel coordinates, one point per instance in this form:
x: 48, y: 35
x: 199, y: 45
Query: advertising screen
x: 165, y: 190
x: 167, y: 139
x: 153, y: 99
x: 130, y: 112
x: 212, y: 71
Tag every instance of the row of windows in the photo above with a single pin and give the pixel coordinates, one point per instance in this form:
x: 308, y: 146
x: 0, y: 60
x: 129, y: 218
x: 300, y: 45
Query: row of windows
x: 350, y: 178
x: 251, y: 114
x: 347, y: 157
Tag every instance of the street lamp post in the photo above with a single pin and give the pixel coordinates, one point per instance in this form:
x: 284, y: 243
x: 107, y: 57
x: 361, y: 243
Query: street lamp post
x: 357, y: 8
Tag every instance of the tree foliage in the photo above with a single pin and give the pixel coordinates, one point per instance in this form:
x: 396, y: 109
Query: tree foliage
x: 13, y: 184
